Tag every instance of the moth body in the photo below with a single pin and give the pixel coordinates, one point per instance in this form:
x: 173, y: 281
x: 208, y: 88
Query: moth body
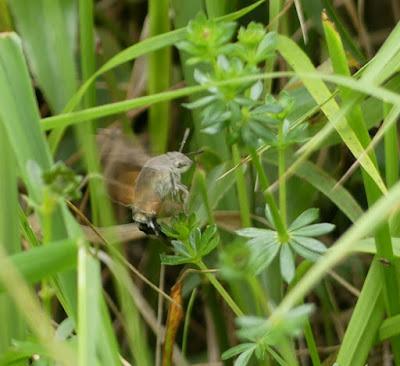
x: 158, y: 181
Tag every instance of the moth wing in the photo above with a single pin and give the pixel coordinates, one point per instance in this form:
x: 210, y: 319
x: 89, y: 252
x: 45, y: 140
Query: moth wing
x: 122, y: 162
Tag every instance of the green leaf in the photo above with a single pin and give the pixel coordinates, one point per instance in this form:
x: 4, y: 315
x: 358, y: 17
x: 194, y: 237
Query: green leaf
x: 262, y: 256
x: 327, y: 185
x: 48, y: 30
x: 180, y: 248
x: 314, y: 230
x: 22, y: 129
x: 310, y: 243
x: 201, y: 102
x: 195, y: 239
x: 244, y: 358
x: 263, y: 240
x: 286, y: 261
x: 267, y: 45
x: 209, y: 240
x: 307, y: 217
x: 173, y: 260
x: 45, y: 261
x: 304, y: 252
x: 13, y: 326
x: 231, y: 352
x: 252, y: 232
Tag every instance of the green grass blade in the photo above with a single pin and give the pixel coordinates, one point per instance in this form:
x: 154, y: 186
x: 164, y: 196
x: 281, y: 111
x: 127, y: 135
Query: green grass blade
x: 27, y: 303
x: 348, y: 39
x: 365, y: 321
x: 89, y: 287
x: 13, y: 326
x: 357, y: 123
x: 50, y: 44
x: 93, y: 335
x: 300, y: 63
x: 85, y: 133
x: 324, y: 183
x: 45, y: 261
x: 159, y: 78
x: 388, y: 51
x: 47, y: 30
x: 120, y: 107
x: 389, y: 328
x: 220, y: 7
x: 21, y: 124
x: 5, y: 19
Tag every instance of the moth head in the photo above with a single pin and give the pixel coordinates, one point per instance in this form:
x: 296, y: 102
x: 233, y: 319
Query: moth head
x: 179, y: 161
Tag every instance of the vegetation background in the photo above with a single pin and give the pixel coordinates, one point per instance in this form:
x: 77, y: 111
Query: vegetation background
x: 287, y: 252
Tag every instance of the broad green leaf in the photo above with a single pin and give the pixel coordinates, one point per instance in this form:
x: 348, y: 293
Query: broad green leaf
x: 13, y: 326
x: 45, y: 261
x: 21, y: 124
x: 48, y: 32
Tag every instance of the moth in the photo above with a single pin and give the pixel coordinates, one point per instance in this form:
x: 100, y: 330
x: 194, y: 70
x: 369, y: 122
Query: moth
x: 150, y: 186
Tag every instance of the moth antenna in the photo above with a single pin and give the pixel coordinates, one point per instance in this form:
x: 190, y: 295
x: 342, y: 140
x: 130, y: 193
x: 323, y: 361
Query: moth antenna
x: 194, y: 153
x: 185, y: 137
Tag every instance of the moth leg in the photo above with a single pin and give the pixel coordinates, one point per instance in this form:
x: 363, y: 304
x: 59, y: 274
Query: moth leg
x: 174, y: 180
x: 184, y: 192
x: 152, y: 227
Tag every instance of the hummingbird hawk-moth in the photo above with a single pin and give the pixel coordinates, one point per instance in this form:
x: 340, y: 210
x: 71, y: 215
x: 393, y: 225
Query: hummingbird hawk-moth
x: 151, y: 187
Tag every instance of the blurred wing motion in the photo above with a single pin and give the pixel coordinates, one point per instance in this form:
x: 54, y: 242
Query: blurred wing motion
x: 122, y: 161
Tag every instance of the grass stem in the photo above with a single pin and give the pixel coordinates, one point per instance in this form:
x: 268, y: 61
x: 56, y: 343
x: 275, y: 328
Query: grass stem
x: 244, y: 205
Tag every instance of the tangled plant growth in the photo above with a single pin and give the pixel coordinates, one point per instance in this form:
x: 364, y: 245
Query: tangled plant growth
x: 250, y: 250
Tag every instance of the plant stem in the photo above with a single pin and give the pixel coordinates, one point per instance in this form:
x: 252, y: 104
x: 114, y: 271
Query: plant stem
x: 187, y: 319
x: 312, y: 346
x: 204, y: 193
x: 231, y: 303
x: 260, y: 294
x: 241, y: 188
x: 274, y: 9
x: 279, y: 223
x: 282, y: 177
